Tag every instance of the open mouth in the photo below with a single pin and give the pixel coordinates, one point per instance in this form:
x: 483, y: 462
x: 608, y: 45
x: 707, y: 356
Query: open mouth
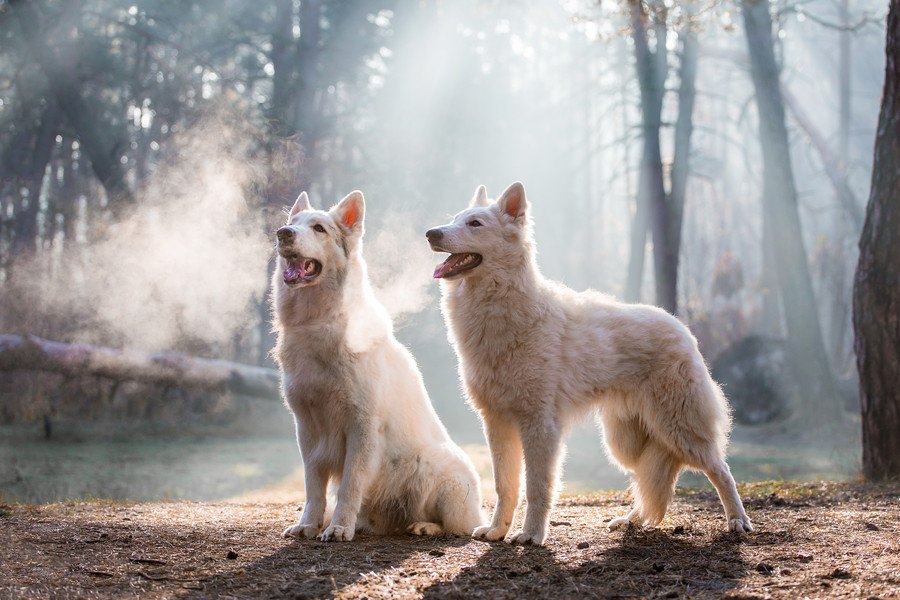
x: 299, y: 270
x: 456, y: 264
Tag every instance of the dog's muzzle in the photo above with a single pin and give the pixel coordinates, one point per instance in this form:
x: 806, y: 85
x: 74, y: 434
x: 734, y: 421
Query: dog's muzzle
x: 434, y: 235
x: 285, y: 235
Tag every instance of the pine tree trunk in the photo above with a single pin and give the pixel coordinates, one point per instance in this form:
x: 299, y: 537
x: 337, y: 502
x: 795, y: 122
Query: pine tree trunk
x: 779, y: 202
x: 876, y: 293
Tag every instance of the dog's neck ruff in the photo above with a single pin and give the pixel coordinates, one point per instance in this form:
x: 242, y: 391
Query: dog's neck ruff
x: 342, y: 308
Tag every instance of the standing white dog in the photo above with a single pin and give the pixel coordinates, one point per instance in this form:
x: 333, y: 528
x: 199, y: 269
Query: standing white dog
x: 362, y: 414
x: 535, y: 356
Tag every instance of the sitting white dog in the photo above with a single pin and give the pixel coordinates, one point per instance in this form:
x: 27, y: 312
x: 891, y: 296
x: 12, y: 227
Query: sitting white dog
x: 535, y: 356
x: 362, y: 414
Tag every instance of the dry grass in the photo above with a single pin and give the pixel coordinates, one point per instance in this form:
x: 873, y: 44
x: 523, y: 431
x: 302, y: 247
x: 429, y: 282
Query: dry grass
x: 818, y: 540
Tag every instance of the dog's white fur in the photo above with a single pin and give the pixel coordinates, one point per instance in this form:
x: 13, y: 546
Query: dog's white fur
x: 536, y: 356
x: 363, y: 417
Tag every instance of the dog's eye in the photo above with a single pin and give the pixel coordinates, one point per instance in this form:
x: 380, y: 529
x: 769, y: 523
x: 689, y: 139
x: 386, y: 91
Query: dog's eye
x: 317, y: 227
x: 474, y: 223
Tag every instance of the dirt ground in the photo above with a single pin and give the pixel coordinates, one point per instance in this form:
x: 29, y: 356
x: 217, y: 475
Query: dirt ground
x: 816, y: 540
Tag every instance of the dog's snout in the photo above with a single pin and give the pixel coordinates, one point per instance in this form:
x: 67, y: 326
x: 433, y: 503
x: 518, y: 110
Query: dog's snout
x: 434, y: 235
x: 285, y: 235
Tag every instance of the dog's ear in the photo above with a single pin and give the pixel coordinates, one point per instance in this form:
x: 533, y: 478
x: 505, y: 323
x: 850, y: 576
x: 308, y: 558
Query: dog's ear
x: 480, y: 198
x: 350, y: 211
x: 512, y: 202
x: 300, y: 204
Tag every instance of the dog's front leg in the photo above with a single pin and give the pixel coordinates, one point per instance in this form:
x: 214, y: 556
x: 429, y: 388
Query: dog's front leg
x: 354, y: 480
x: 506, y: 455
x: 311, y: 520
x: 542, y: 453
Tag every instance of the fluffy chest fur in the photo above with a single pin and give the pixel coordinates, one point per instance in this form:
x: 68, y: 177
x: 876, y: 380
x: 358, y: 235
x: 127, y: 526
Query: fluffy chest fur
x: 505, y: 340
x: 317, y: 366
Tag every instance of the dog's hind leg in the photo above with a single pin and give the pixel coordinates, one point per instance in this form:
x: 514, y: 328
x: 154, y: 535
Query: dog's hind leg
x: 700, y: 441
x: 653, y: 485
x: 424, y: 528
x: 506, y: 454
x: 459, y: 503
x: 716, y: 469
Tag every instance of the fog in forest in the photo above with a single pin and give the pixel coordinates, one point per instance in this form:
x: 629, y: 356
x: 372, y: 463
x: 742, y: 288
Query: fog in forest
x: 149, y: 150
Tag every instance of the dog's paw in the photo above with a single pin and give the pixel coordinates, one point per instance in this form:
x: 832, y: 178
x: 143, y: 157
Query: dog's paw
x: 301, y: 531
x: 336, y: 533
x: 740, y: 525
x: 620, y: 523
x: 528, y: 538
x: 488, y: 533
x: 424, y: 528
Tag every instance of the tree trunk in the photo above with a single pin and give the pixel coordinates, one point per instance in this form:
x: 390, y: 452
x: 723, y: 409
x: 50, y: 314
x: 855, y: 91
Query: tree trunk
x: 638, y: 247
x: 684, y: 127
x: 167, y: 368
x: 780, y: 203
x: 308, y: 53
x: 101, y: 142
x: 652, y: 67
x: 876, y: 293
x: 844, y: 84
x: 284, y: 78
x: 26, y: 232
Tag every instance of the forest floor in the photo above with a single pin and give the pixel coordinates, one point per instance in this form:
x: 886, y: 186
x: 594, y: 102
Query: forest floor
x: 811, y: 540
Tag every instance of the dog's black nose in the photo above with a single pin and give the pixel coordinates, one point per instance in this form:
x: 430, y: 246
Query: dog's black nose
x: 434, y: 235
x: 285, y: 235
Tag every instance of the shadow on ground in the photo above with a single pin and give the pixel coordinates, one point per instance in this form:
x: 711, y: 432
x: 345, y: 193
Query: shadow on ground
x: 811, y: 540
x: 313, y: 569
x: 644, y: 563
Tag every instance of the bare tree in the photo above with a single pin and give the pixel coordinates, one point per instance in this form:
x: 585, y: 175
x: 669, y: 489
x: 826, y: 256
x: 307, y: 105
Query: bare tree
x: 652, y: 68
x: 876, y: 294
x: 781, y: 218
x: 661, y: 207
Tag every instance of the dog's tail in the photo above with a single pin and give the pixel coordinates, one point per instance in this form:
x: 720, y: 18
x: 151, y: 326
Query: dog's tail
x: 691, y: 415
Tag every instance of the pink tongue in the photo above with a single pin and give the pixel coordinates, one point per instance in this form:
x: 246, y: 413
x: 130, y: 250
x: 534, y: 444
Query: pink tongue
x: 447, y: 266
x: 294, y: 271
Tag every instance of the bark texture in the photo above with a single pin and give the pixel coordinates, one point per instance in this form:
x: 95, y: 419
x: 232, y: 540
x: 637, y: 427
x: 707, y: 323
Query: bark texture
x: 167, y: 368
x: 876, y: 294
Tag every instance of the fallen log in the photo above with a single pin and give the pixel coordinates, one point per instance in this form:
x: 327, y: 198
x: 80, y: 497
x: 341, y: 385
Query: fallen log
x: 175, y: 369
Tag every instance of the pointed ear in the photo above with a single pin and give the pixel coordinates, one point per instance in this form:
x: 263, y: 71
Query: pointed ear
x: 301, y: 203
x: 350, y: 211
x: 512, y: 201
x: 480, y: 198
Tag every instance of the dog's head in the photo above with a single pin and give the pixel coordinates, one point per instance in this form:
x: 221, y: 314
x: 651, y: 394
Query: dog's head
x: 485, y: 236
x: 314, y: 242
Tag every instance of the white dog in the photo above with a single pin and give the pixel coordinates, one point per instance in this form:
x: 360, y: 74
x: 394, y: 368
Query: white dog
x: 362, y: 414
x: 536, y: 356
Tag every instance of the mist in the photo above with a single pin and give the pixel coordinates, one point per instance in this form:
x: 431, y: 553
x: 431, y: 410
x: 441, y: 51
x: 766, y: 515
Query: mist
x: 142, y: 216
